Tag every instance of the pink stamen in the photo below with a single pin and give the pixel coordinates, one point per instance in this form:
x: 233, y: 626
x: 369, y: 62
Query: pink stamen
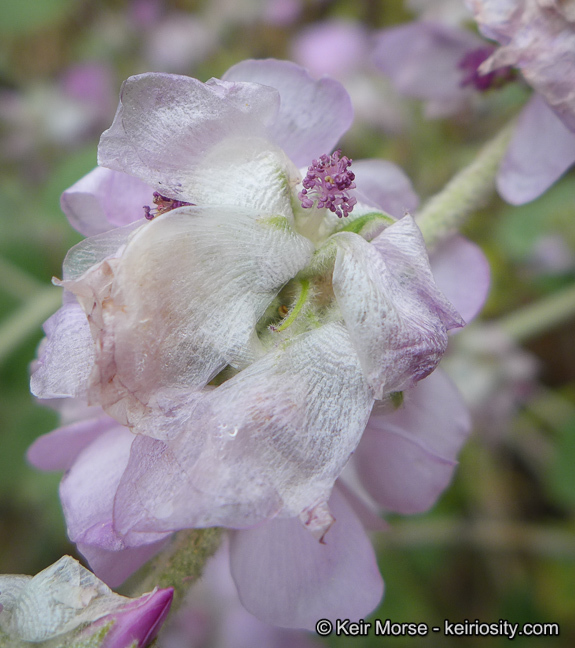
x: 163, y: 205
x: 327, y: 182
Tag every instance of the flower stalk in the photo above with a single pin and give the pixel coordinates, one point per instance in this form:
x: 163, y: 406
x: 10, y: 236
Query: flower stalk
x: 467, y: 191
x: 181, y: 563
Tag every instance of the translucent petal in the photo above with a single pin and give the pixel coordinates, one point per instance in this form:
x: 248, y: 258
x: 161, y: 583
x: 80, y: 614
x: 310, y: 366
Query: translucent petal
x: 313, y: 115
x: 182, y: 302
x: 396, y: 316
x: 104, y: 199
x: 66, y: 356
x: 271, y: 440
x: 167, y: 125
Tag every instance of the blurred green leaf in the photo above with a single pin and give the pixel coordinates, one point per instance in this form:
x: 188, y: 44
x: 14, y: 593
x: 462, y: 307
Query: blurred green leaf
x: 24, y: 16
x: 561, y: 477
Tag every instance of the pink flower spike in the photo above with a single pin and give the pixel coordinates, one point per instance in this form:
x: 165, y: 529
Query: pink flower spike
x: 328, y: 182
x: 140, y: 621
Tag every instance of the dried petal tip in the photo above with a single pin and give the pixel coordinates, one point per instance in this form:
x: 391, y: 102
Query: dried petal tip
x: 163, y: 205
x: 470, y: 64
x: 327, y: 181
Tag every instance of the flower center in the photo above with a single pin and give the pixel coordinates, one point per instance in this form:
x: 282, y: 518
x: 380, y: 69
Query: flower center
x: 469, y: 65
x: 163, y: 205
x: 327, y: 183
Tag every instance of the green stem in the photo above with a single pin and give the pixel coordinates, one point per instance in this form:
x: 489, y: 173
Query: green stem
x: 181, y: 563
x: 470, y: 189
x: 301, y: 300
x: 26, y: 320
x: 532, y: 320
x: 483, y: 534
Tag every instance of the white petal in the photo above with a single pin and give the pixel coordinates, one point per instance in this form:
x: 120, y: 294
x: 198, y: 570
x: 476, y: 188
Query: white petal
x: 66, y: 355
x: 57, y: 600
x: 397, y: 317
x: 188, y: 139
x: 272, y: 440
x: 182, y: 302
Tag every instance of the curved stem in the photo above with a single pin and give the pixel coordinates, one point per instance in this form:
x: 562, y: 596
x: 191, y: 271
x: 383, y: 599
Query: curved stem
x: 470, y: 189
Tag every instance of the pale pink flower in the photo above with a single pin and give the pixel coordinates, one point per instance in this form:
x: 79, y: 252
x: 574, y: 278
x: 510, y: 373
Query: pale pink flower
x: 155, y: 309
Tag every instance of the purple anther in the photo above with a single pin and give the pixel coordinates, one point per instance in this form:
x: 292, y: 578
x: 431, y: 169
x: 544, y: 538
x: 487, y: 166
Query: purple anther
x: 327, y: 182
x: 163, y: 205
x: 470, y: 64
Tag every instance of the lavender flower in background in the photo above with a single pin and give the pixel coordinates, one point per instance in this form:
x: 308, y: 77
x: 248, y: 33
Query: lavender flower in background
x: 538, y: 37
x: 340, y: 49
x: 65, y: 112
x: 67, y: 602
x: 310, y: 316
x: 448, y: 62
x: 495, y: 375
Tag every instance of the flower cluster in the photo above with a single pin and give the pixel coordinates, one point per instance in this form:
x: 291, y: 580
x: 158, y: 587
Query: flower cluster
x: 219, y: 364
x: 441, y: 63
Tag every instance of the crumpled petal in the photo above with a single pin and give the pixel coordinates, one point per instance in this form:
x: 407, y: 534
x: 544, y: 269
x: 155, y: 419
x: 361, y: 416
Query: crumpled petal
x: 383, y: 184
x: 104, y: 199
x: 397, y: 318
x: 59, y: 599
x: 313, y: 115
x: 202, y: 143
x: 285, y: 577
x: 270, y: 441
x: 461, y: 272
x: 406, y: 459
x: 66, y: 355
x: 169, y: 315
x: 541, y: 150
x: 421, y: 59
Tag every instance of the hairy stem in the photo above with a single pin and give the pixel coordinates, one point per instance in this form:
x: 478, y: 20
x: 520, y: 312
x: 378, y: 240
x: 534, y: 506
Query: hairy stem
x: 470, y: 189
x: 181, y: 563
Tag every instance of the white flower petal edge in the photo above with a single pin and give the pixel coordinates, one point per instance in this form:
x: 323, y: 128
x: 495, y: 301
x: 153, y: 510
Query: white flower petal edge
x: 187, y: 139
x: 147, y: 358
x: 66, y: 355
x: 270, y: 441
x: 397, y: 317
